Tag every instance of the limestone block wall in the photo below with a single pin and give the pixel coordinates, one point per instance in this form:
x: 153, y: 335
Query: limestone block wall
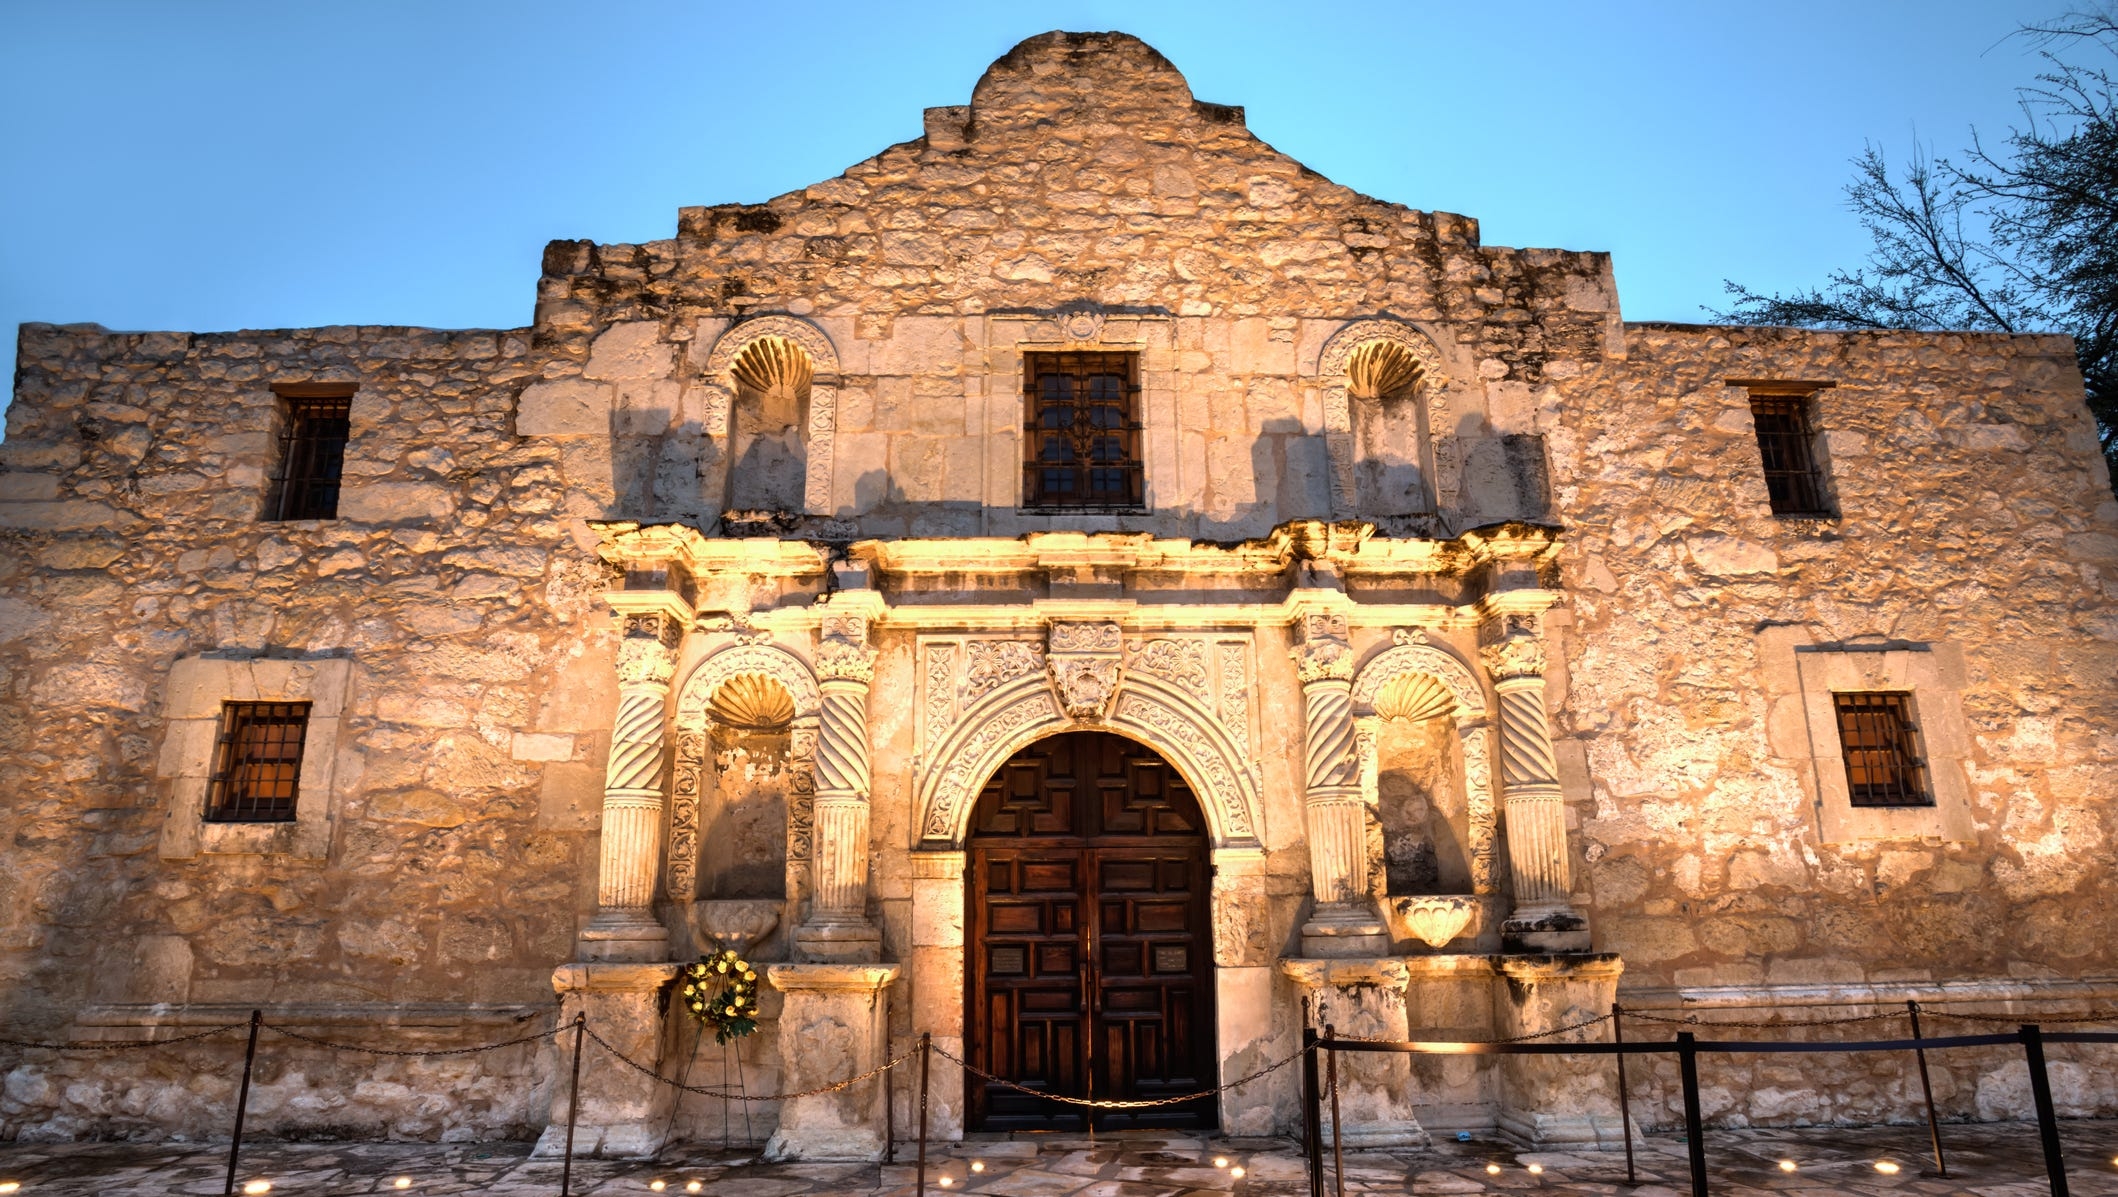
x: 1085, y: 201
x: 452, y: 598
x: 1975, y: 535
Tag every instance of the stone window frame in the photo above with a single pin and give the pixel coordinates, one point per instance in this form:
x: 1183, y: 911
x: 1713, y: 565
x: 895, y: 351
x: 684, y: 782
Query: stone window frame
x: 1810, y: 393
x: 1081, y: 328
x: 294, y: 441
x: 1801, y: 677
x: 192, y: 699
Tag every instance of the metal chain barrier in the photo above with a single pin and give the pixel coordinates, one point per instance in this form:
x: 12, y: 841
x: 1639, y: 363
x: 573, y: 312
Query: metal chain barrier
x: 208, y: 1033
x: 1115, y: 1104
x: 725, y: 1095
x: 2014, y: 1019
x: 1693, y: 1020
x: 385, y: 1051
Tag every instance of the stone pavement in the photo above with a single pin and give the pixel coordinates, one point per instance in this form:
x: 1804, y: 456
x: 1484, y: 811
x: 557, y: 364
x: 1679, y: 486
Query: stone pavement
x: 1985, y: 1161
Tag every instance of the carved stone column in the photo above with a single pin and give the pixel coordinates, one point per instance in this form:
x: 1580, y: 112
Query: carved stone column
x: 1538, y: 862
x: 838, y: 928
x: 624, y: 926
x: 1344, y: 921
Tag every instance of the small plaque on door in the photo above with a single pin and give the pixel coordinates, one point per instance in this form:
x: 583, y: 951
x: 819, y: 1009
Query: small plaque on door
x: 1172, y: 958
x: 1007, y: 961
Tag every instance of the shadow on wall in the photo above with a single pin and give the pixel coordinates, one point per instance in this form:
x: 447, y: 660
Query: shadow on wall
x: 1253, y: 483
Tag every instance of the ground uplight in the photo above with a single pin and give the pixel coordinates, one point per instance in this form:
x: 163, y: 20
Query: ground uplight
x: 15, y: 1186
x: 1536, y: 1169
x: 1787, y: 1165
x: 1886, y: 1167
x: 657, y: 1185
x: 946, y: 1182
x: 977, y: 1165
x: 1220, y: 1161
x: 1236, y: 1172
x: 695, y: 1186
x: 1492, y: 1169
x: 256, y: 1187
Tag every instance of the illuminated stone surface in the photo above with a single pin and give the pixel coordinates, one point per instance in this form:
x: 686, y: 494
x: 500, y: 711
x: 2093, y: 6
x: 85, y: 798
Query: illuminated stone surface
x: 714, y: 585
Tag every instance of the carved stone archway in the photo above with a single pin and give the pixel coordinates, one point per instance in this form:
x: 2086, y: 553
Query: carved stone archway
x: 1155, y: 712
x: 1433, y: 384
x: 1412, y: 657
x: 823, y: 394
x: 693, y: 724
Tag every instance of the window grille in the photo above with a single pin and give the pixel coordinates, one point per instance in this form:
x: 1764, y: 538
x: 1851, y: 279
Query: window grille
x: 257, y: 762
x: 1884, y: 765
x: 1793, y: 480
x: 312, y: 456
x: 1082, y: 443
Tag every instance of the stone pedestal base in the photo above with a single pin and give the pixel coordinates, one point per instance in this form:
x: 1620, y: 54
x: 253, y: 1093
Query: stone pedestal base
x: 624, y: 936
x: 1364, y: 998
x: 834, y: 1025
x: 1450, y: 998
x: 1559, y: 1099
x: 1346, y: 931
x: 622, y: 1114
x: 839, y: 943
x: 1539, y: 931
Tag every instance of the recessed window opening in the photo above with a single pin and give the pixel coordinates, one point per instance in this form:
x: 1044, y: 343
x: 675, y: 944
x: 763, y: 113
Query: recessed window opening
x: 257, y: 762
x: 315, y: 423
x: 1083, y: 436
x: 1794, y: 478
x: 1884, y: 764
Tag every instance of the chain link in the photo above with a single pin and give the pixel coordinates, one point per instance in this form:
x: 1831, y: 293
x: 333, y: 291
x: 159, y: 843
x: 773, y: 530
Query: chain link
x: 385, y: 1051
x: 2016, y: 1020
x: 1118, y: 1104
x: 722, y: 1093
x: 1693, y: 1020
x: 208, y: 1033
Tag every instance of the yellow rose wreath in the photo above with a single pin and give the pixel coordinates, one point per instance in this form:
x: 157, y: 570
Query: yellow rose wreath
x: 721, y: 992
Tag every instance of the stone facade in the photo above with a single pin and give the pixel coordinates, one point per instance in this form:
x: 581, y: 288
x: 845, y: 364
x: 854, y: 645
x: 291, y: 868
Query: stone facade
x: 701, y: 611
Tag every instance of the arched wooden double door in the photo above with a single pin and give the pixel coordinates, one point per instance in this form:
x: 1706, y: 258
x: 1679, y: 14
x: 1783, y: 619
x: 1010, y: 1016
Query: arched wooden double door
x: 1091, y: 955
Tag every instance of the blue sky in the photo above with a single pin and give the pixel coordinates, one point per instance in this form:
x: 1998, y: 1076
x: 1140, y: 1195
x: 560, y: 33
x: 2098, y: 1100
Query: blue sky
x: 207, y: 165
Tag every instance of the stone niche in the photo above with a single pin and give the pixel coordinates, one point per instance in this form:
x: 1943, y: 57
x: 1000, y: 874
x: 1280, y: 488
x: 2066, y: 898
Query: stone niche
x: 1421, y: 819
x: 769, y: 456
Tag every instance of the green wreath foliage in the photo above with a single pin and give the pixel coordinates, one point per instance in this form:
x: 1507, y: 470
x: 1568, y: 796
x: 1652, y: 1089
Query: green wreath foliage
x: 721, y: 992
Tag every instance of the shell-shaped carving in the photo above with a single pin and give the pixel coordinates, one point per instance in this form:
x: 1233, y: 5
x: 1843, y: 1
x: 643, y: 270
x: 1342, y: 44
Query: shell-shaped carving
x: 1415, y: 696
x: 750, y: 702
x: 774, y: 365
x: 1436, y: 919
x: 1380, y: 369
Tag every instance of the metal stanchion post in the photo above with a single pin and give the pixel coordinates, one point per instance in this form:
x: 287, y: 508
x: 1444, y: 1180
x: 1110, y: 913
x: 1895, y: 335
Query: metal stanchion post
x: 1338, y: 1157
x: 1625, y: 1105
x: 573, y: 1107
x: 1694, y: 1123
x: 1926, y: 1088
x: 926, y: 1056
x: 242, y: 1100
x: 1312, y: 1113
x: 2055, y: 1164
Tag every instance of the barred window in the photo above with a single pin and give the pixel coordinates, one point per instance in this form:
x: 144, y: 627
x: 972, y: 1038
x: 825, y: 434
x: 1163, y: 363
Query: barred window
x: 257, y: 762
x: 1884, y: 764
x: 1794, y: 480
x: 1082, y: 443
x: 315, y: 423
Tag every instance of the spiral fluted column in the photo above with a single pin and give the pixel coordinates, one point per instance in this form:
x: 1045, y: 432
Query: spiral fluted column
x: 1535, y: 811
x: 625, y: 926
x: 838, y: 928
x: 1334, y: 815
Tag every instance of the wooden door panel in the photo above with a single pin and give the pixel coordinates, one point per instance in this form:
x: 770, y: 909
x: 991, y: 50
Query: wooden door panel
x: 1090, y: 950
